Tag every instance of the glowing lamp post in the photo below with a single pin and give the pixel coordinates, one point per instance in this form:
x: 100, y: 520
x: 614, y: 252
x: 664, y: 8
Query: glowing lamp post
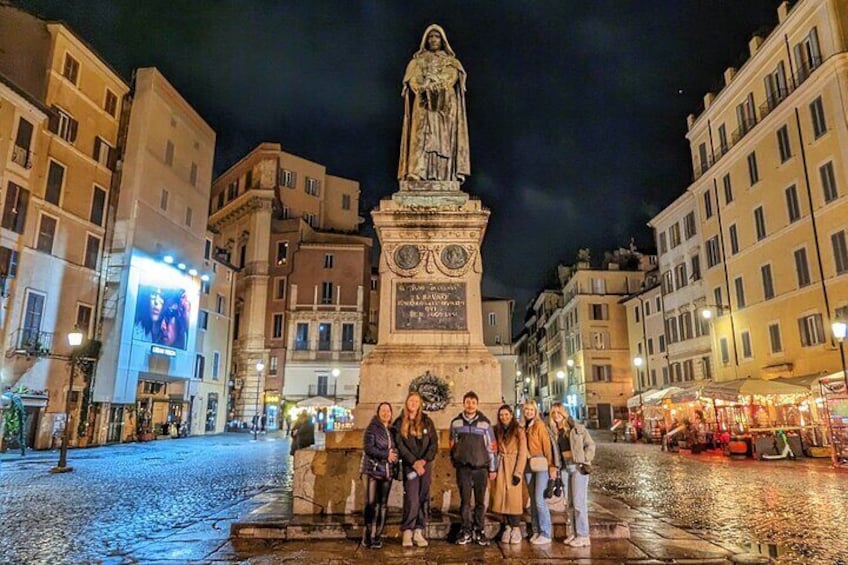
x: 840, y: 328
x: 74, y: 340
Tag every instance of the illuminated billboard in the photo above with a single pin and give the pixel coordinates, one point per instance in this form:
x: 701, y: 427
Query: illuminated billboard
x: 162, y: 315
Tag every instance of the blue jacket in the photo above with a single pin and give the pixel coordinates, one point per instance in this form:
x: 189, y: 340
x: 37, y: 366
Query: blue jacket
x: 473, y: 443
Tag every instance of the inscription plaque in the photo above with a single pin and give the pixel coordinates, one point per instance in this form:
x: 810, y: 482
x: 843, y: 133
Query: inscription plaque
x: 430, y: 306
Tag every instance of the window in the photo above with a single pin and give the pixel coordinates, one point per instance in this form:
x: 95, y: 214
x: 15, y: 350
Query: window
x: 745, y: 336
x: 248, y: 179
x: 817, y: 114
x: 717, y: 296
x: 219, y: 303
x: 662, y: 343
x: 647, y: 306
x: 282, y: 252
x: 760, y: 222
x: 55, y: 180
x: 103, y: 153
x: 236, y: 325
x: 668, y: 282
x: 328, y: 260
x: 345, y: 201
x: 327, y: 292
x: 702, y: 156
x: 665, y: 375
x: 637, y: 314
x: 277, y: 326
x: 301, y: 341
x: 768, y: 282
x: 659, y: 304
x: 792, y: 207
x: 347, y: 337
x: 325, y: 332
x: 199, y: 367
x: 192, y: 175
x: 220, y: 200
x: 685, y: 323
x: 205, y: 287
x: 83, y: 321
x: 92, y: 251
x: 663, y: 245
x: 207, y: 249
x: 708, y: 204
x: 23, y: 142
x: 232, y: 190
x: 811, y: 330
x: 599, y: 286
x: 313, y: 186
x: 203, y: 320
x: 728, y: 189
x: 110, y: 103
x: 598, y: 312
x: 8, y: 263
x: 696, y: 267
x: 15, y: 208
x: 783, y: 146
x: 775, y: 343
x: 807, y: 55
x: 602, y: 373
x: 689, y: 228
x: 680, y: 275
x: 272, y: 365
x: 63, y: 125
x: 740, y: 292
x: 163, y: 200
x: 216, y: 364
x: 802, y: 269
x: 753, y: 172
x: 46, y: 234
x: 713, y: 253
x: 280, y: 289
x: 600, y: 340
x: 840, y: 252
x: 722, y: 139
x: 287, y: 178
x: 674, y: 235
x: 689, y: 370
x: 493, y: 319
x: 725, y: 353
x: 285, y: 213
x: 242, y: 256
x: 98, y: 204
x: 746, y: 115
x: 312, y: 220
x: 169, y: 153
x: 188, y: 214
x: 775, y: 84
x: 70, y: 70
x: 671, y: 330
x: 828, y: 180
x: 734, y: 240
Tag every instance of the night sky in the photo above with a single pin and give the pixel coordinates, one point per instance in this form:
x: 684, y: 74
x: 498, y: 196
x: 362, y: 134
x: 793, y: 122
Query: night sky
x: 577, y: 109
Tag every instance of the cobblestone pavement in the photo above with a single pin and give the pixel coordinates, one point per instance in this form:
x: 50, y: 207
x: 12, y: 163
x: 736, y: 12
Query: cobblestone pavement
x: 119, y: 497
x: 173, y: 501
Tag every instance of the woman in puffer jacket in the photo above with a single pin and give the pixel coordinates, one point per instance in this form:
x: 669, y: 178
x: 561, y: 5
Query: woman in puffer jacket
x: 378, y: 470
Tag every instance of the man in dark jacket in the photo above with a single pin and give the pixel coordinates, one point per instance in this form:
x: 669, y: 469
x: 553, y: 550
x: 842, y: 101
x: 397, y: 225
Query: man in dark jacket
x: 473, y: 453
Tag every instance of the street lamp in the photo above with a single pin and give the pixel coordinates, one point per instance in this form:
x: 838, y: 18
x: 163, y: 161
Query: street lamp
x: 260, y: 366
x: 74, y: 340
x: 840, y: 328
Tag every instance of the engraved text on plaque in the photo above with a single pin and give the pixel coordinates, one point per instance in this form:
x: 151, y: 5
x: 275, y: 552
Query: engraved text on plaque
x: 430, y: 306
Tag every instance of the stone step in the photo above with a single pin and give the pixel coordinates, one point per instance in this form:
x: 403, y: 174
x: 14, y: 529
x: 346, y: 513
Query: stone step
x: 602, y: 525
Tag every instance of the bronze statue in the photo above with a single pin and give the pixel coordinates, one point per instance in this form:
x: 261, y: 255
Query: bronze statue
x: 434, y: 142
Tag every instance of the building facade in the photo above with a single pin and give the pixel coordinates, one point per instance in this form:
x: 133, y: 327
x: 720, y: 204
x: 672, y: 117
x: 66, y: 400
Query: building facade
x: 770, y: 160
x: 646, y: 336
x: 497, y: 336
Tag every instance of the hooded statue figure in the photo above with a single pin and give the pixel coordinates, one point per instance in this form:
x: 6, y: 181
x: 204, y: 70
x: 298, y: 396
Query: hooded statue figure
x: 434, y: 142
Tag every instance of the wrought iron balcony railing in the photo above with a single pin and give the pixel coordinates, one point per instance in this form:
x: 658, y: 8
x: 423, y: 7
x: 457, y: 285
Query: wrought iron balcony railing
x: 327, y: 390
x: 21, y: 156
x: 33, y: 342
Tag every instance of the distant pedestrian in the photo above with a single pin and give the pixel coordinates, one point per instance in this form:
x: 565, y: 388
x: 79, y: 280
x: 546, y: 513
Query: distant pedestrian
x: 473, y: 453
x: 418, y: 443
x: 262, y: 422
x: 379, y: 460
x: 541, y: 468
x: 578, y: 449
x: 508, y: 489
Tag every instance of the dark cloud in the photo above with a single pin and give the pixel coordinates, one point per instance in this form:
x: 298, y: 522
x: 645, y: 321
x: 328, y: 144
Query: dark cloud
x: 576, y: 121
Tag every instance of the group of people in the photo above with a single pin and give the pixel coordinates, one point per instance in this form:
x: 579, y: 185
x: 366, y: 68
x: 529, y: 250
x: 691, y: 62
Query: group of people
x: 530, y: 459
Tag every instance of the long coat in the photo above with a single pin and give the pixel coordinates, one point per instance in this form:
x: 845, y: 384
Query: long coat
x: 512, y: 458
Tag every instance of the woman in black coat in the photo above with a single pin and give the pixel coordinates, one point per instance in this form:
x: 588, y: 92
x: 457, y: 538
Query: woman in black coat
x: 418, y: 444
x: 378, y: 470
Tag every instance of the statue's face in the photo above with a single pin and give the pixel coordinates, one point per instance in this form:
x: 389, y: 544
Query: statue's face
x: 434, y: 41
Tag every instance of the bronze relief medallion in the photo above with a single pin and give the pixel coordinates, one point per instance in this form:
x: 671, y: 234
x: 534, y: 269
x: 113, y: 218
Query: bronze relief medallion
x: 454, y: 256
x: 407, y: 256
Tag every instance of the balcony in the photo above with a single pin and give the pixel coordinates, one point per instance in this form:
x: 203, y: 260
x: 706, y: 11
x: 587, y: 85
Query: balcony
x: 747, y: 125
x: 806, y: 70
x: 325, y: 390
x: 21, y: 157
x: 774, y: 99
x: 29, y: 341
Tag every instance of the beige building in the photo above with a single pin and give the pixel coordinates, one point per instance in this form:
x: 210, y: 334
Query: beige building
x: 533, y: 364
x: 497, y: 336
x: 158, y: 267
x: 646, y: 336
x: 771, y: 166
x: 60, y: 220
x: 277, y: 219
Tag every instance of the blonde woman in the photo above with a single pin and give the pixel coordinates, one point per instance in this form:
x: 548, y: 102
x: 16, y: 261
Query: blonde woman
x: 578, y: 451
x: 418, y: 443
x: 541, y: 466
x: 507, y: 490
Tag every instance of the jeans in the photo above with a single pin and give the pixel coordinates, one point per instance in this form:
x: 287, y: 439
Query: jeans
x: 539, y: 513
x: 416, y: 493
x: 578, y: 490
x: 472, y: 481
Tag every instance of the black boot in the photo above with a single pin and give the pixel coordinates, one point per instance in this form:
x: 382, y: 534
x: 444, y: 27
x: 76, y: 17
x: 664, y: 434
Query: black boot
x: 381, y: 511
x: 367, y: 539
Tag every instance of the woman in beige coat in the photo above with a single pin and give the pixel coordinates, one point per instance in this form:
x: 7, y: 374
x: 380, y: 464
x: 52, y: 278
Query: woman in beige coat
x: 507, y: 490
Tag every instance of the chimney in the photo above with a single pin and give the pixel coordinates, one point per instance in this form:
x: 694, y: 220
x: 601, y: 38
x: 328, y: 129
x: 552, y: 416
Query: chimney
x: 729, y: 73
x: 782, y: 12
x: 708, y: 99
x: 754, y: 44
x: 690, y: 121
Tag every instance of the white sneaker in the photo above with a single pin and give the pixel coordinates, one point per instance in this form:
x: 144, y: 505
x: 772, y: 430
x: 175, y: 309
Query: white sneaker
x: 506, y: 535
x: 541, y: 540
x: 581, y: 541
x: 568, y: 540
x: 533, y: 537
x: 515, y: 536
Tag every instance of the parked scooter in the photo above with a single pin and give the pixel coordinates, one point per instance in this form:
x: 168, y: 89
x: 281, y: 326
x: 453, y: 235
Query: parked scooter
x: 785, y: 453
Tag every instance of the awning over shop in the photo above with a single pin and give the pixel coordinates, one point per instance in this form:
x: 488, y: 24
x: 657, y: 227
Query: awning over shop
x: 640, y: 399
x: 315, y: 402
x: 348, y: 403
x: 730, y: 391
x: 687, y: 392
x: 803, y: 380
x: 661, y: 395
